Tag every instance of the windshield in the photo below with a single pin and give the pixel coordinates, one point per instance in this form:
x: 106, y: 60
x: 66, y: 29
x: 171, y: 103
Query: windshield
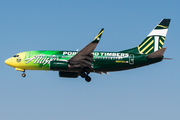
x: 16, y: 56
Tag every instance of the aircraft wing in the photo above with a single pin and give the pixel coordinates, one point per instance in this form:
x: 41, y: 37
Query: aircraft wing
x: 84, y: 57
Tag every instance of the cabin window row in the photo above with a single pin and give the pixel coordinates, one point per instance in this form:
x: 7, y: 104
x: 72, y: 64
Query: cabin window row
x: 117, y: 58
x: 110, y: 58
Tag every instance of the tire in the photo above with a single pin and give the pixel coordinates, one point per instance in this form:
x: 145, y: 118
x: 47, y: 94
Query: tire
x: 23, y: 75
x: 88, y: 79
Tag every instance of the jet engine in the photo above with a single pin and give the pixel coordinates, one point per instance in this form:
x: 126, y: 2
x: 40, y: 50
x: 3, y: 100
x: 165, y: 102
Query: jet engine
x: 59, y: 65
x: 68, y: 74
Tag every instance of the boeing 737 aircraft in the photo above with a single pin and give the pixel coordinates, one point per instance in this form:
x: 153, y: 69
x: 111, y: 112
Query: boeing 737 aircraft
x: 72, y: 64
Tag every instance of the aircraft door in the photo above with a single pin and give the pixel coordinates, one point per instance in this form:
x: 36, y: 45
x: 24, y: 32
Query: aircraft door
x: 131, y: 59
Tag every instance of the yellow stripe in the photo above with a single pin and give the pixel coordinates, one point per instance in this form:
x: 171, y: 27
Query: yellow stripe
x: 163, y: 38
x: 145, y: 42
x: 162, y: 26
x: 120, y: 61
x: 161, y: 42
x: 149, y: 50
x: 159, y: 47
x: 147, y: 46
x: 138, y: 49
x: 98, y: 35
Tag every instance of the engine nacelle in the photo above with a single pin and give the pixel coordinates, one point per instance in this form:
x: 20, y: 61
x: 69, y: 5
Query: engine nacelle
x: 68, y: 74
x: 58, y: 65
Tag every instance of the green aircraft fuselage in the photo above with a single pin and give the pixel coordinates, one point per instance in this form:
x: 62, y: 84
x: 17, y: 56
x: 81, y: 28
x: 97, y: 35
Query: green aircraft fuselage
x: 81, y: 63
x: 102, y: 61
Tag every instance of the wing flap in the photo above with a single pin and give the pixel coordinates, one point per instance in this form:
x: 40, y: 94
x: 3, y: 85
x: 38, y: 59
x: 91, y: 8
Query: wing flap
x: 101, y: 72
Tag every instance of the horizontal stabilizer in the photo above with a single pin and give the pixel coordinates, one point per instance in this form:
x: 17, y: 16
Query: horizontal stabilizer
x: 157, y: 54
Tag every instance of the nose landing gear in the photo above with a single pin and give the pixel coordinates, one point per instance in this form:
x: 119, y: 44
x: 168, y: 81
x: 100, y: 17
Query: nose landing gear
x: 24, y: 74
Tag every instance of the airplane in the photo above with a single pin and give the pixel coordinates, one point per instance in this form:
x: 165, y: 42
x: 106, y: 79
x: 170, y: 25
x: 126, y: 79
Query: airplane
x: 72, y: 64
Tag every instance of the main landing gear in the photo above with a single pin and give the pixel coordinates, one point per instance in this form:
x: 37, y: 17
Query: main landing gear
x: 24, y: 74
x: 84, y: 74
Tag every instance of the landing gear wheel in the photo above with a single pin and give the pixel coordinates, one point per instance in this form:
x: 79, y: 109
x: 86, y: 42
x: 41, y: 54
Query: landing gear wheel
x: 83, y: 74
x: 23, y: 75
x: 88, y: 79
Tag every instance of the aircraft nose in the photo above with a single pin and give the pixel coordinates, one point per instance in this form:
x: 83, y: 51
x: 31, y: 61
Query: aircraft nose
x: 8, y: 61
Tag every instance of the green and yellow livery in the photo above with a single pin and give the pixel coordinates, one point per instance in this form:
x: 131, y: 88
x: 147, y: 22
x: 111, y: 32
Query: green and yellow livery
x: 72, y: 64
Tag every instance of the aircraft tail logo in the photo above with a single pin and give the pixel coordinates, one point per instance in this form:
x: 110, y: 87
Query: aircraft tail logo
x: 155, y: 40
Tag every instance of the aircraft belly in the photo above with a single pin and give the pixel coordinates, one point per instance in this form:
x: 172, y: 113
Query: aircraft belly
x: 125, y: 64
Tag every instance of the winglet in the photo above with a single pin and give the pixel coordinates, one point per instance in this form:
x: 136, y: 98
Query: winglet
x: 98, y: 37
x: 157, y: 54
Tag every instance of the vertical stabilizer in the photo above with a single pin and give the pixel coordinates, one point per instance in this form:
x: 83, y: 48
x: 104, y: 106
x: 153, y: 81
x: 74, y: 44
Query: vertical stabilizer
x: 155, y: 40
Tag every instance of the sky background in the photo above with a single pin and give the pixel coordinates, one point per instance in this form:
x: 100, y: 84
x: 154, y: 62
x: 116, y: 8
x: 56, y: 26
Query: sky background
x: 147, y: 93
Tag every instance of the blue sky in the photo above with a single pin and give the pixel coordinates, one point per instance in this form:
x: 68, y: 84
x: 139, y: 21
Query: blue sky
x: 146, y: 93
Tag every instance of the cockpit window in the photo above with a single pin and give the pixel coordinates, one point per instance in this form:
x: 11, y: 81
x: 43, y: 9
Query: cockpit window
x: 16, y: 56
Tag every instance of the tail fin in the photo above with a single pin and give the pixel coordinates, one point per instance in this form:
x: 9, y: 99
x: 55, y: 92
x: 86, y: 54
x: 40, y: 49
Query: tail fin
x: 155, y: 40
